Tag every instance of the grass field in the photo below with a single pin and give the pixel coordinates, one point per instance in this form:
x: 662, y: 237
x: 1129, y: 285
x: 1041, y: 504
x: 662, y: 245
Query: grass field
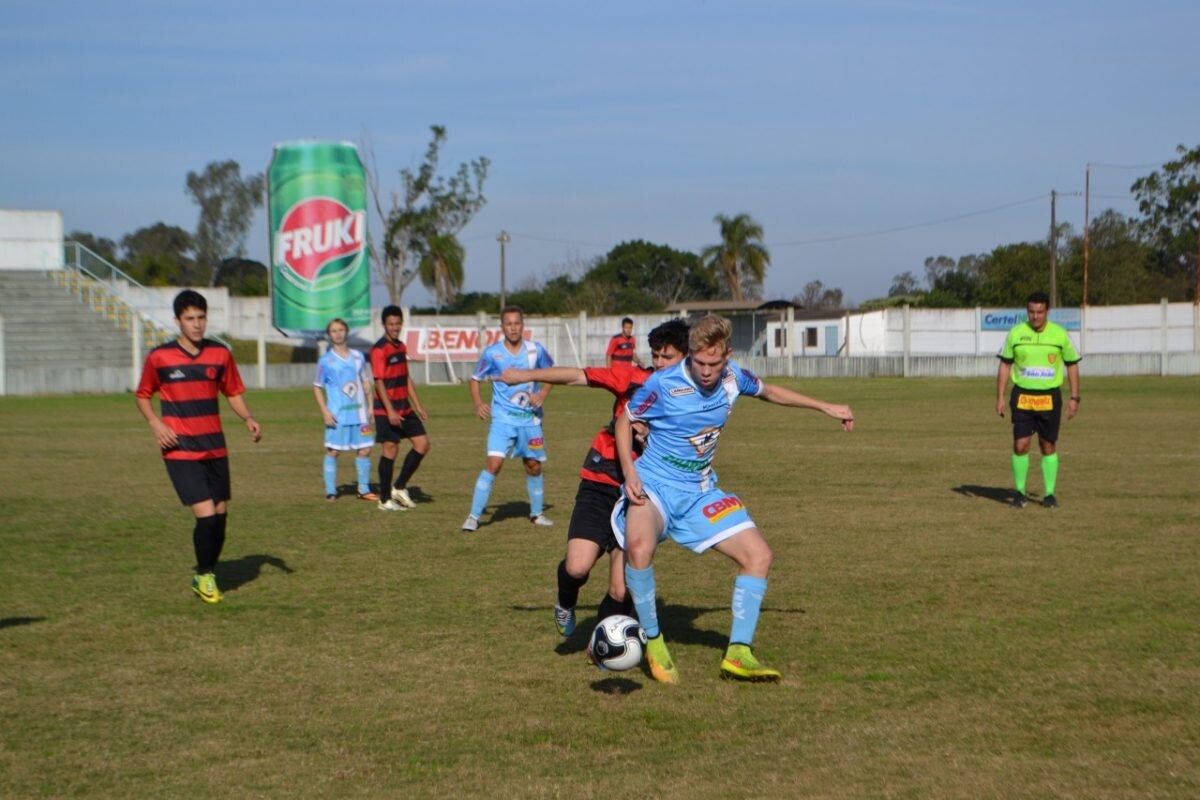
x: 935, y: 643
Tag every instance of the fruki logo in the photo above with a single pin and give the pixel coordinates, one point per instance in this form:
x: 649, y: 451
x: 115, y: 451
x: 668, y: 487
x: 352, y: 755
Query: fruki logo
x: 317, y: 231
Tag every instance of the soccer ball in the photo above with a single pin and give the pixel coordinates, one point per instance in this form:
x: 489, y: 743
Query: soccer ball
x: 617, y: 643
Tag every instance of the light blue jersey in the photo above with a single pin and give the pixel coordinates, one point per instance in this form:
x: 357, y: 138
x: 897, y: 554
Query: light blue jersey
x: 510, y: 403
x: 685, y: 424
x: 342, y: 380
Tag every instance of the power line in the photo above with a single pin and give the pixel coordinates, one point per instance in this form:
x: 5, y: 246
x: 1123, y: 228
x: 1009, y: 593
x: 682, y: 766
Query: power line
x: 1127, y: 166
x: 914, y: 226
x: 557, y: 241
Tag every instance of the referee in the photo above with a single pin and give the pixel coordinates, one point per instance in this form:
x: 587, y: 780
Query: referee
x: 1040, y: 351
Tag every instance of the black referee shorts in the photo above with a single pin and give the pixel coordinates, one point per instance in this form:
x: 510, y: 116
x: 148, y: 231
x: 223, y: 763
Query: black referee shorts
x: 1035, y: 411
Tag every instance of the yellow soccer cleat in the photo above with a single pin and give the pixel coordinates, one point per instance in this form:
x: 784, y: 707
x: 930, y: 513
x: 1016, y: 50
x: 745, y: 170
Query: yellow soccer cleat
x: 662, y: 668
x: 205, y: 587
x: 740, y: 664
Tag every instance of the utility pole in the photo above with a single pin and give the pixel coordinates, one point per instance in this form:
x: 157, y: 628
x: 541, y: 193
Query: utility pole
x: 1087, y: 197
x: 503, y: 239
x: 1053, y: 251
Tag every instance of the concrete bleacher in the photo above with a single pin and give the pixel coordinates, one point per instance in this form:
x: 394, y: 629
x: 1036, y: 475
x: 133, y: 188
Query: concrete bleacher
x: 54, y: 342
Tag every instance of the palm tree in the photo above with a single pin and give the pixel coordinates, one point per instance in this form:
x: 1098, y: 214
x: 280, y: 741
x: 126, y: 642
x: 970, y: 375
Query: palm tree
x: 741, y: 252
x: 441, y: 266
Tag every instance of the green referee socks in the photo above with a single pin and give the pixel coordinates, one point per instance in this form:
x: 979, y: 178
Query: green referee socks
x: 1050, y: 472
x: 1020, y: 467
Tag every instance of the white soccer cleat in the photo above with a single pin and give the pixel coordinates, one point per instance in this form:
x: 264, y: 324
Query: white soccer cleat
x: 542, y: 521
x: 391, y: 505
x: 470, y: 525
x: 401, y: 496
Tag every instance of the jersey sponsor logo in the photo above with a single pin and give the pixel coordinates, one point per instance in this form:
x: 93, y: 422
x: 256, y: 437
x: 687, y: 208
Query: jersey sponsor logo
x: 714, y: 512
x: 687, y: 464
x: 706, y: 440
x: 365, y: 430
x: 1035, y: 402
x: 680, y: 391
x: 646, y: 404
x: 537, y: 443
x: 350, y: 389
x: 176, y: 375
x: 1038, y: 372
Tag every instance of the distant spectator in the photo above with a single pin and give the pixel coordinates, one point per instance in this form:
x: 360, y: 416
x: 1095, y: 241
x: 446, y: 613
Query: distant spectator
x: 622, y: 348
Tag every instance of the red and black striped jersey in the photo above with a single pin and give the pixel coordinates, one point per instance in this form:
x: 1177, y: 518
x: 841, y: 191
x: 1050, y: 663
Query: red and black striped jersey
x: 621, y: 348
x: 601, y: 464
x: 187, y: 386
x: 389, y: 363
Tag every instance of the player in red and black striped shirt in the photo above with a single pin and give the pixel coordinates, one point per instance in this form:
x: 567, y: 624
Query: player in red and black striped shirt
x: 622, y: 348
x: 187, y: 374
x: 590, y: 533
x: 398, y: 413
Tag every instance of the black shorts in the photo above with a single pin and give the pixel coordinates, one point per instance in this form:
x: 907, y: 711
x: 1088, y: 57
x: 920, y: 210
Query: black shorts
x: 1042, y: 413
x: 410, y: 428
x: 197, y: 481
x: 591, y: 518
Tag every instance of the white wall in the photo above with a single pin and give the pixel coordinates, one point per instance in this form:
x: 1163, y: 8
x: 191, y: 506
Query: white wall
x: 1173, y: 327
x: 31, y: 239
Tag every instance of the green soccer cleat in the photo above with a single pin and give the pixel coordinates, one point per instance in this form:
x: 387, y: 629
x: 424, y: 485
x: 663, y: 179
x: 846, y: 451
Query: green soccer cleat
x: 205, y: 587
x: 662, y: 668
x: 740, y: 664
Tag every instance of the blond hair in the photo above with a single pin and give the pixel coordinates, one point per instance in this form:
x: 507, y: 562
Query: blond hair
x: 710, y: 331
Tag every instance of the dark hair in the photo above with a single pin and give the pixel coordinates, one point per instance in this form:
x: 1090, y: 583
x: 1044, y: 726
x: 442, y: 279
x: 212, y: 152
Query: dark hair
x: 189, y: 298
x: 391, y: 311
x: 512, y: 310
x: 1041, y: 298
x: 673, y: 332
x: 627, y: 319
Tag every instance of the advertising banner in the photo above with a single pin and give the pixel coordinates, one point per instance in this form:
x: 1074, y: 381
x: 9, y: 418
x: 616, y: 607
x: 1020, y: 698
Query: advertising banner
x: 457, y: 344
x: 1002, y: 319
x: 317, y: 210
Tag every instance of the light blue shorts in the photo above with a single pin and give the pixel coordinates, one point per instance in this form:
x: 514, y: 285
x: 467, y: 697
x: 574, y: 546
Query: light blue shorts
x: 696, y: 520
x: 516, y: 441
x: 350, y: 437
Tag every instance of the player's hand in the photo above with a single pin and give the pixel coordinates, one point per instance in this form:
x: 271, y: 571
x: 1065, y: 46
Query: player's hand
x: 1000, y: 408
x: 395, y: 419
x: 165, y: 437
x: 536, y: 399
x: 1072, y: 408
x: 843, y: 413
x: 634, y: 489
x: 421, y: 415
x: 255, y: 429
x: 330, y: 421
x: 640, y: 432
x: 510, y: 376
x: 483, y: 411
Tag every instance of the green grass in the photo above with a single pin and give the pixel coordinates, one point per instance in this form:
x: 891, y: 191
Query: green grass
x: 935, y: 644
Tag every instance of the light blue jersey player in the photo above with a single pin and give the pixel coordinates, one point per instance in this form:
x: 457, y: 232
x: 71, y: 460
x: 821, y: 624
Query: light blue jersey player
x: 342, y: 387
x: 516, y: 415
x: 672, y: 489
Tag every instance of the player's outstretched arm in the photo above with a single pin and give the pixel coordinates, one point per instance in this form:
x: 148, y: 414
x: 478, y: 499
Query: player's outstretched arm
x: 561, y: 376
x: 238, y: 403
x: 786, y: 397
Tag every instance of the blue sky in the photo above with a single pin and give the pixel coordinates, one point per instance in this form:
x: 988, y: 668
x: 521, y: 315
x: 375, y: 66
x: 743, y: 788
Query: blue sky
x: 615, y: 121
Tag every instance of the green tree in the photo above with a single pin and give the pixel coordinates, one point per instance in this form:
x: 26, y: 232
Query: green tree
x: 101, y: 246
x: 741, y: 254
x: 815, y: 296
x: 227, y: 203
x: 428, y: 206
x: 441, y: 267
x: 642, y: 276
x: 244, y: 277
x: 1169, y: 200
x: 1012, y: 272
x: 160, y: 255
x: 906, y: 283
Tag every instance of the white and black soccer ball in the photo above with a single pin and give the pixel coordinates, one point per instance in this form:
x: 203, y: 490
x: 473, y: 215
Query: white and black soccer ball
x: 618, y: 643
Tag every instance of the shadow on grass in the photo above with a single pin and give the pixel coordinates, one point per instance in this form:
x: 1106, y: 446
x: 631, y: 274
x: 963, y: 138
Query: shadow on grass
x: 240, y: 571
x: 12, y: 622
x: 351, y: 490
x: 1001, y: 494
x: 514, y: 509
x: 615, y: 686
